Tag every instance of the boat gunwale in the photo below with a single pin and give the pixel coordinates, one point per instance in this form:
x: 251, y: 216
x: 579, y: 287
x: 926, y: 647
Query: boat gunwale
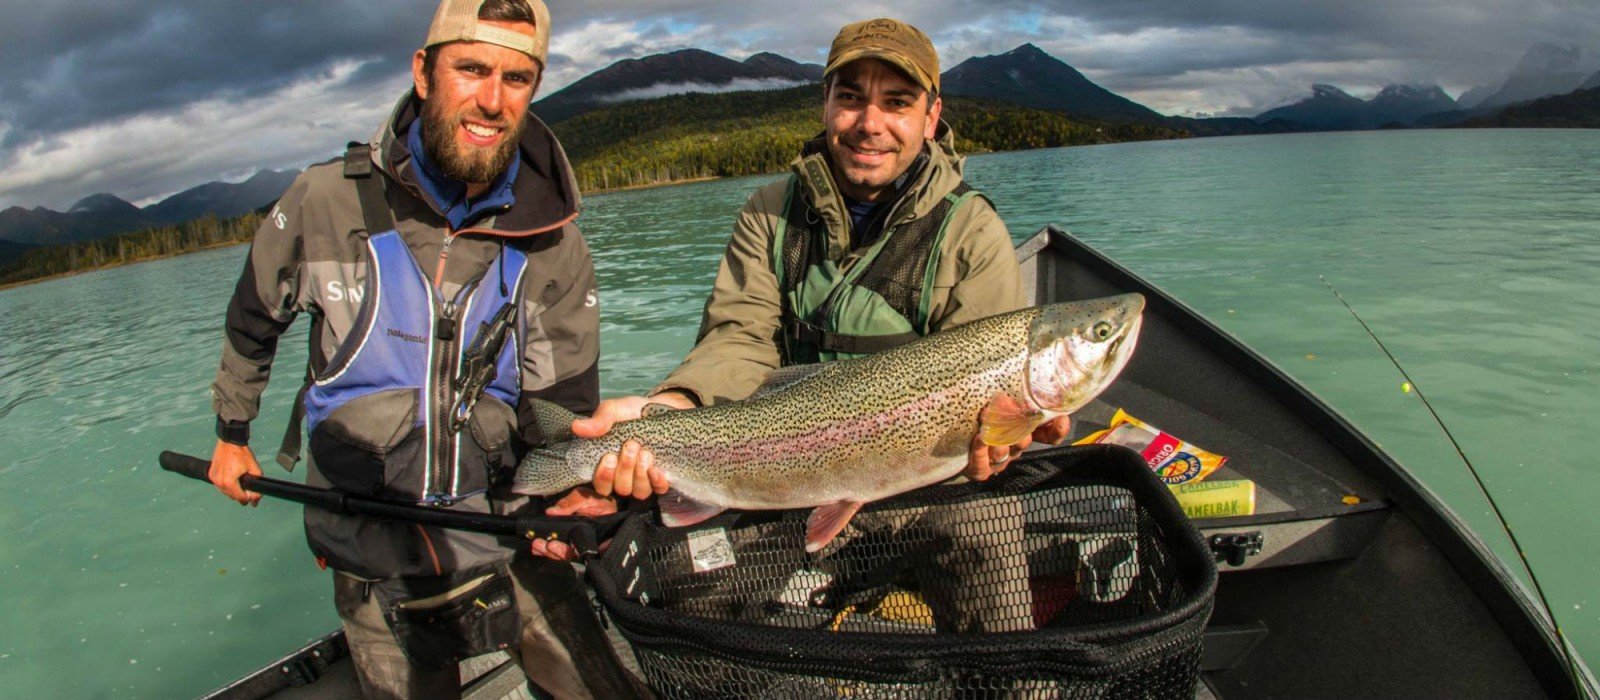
x: 1527, y: 624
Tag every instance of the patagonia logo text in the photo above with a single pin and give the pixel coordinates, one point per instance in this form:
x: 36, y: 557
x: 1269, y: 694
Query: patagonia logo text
x: 406, y: 336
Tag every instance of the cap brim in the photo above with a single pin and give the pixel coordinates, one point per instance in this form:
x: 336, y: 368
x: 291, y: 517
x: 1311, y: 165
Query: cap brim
x: 907, y: 67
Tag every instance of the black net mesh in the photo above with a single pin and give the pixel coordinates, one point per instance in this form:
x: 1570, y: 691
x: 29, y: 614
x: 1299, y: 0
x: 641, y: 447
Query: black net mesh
x: 1072, y: 575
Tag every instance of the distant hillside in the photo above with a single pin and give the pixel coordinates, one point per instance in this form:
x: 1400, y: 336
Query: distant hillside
x: 1402, y: 104
x: 780, y: 67
x: 725, y: 134
x: 678, y: 72
x: 1030, y: 77
x: 1579, y: 109
x: 91, y: 217
x: 1330, y: 108
x: 1546, y: 69
x: 222, y: 198
x: 101, y: 215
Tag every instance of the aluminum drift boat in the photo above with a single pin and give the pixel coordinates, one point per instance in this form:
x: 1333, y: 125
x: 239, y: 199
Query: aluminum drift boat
x: 1385, y: 595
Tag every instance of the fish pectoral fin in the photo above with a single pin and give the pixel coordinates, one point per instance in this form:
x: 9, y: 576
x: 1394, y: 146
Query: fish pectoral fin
x: 826, y: 522
x: 1005, y: 421
x: 678, y: 510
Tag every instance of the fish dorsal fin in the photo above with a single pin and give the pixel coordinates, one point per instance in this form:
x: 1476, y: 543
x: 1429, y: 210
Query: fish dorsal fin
x: 678, y: 510
x: 554, y: 421
x: 1005, y: 421
x: 784, y: 377
x: 826, y: 522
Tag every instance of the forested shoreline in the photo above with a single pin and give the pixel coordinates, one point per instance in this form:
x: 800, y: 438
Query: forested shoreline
x: 121, y: 249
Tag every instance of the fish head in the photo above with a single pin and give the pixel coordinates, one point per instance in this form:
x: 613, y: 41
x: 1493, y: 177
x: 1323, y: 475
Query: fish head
x: 1076, y: 348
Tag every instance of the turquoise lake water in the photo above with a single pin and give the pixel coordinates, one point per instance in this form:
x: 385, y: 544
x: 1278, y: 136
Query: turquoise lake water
x: 1474, y: 255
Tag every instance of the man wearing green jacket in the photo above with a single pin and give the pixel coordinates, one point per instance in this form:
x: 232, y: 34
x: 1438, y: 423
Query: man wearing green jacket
x: 873, y: 241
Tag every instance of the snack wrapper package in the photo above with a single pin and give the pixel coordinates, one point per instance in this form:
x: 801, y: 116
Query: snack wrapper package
x: 1172, y: 459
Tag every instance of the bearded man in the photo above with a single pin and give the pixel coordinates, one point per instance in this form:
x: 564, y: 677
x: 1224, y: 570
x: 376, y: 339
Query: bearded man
x: 459, y: 211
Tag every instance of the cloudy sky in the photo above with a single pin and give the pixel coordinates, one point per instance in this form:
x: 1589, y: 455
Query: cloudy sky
x: 144, y: 98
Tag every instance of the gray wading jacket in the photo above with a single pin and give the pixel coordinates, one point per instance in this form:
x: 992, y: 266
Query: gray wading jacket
x: 309, y: 256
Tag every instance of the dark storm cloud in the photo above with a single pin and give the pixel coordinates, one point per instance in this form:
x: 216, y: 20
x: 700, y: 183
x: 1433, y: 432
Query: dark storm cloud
x: 77, y: 62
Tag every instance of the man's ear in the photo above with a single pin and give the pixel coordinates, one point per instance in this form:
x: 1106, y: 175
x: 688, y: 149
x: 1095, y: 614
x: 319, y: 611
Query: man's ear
x: 934, y: 111
x: 419, y: 75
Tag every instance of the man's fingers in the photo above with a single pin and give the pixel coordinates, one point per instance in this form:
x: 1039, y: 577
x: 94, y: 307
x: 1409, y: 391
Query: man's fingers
x: 658, y: 478
x: 551, y: 550
x: 595, y: 426
x: 641, y: 474
x: 1053, y: 431
x: 998, y: 454
x: 977, y: 461
x: 627, y: 464
x: 605, y: 474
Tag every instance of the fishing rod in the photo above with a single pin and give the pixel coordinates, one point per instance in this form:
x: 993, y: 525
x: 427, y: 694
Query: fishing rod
x: 1494, y: 507
x: 582, y: 534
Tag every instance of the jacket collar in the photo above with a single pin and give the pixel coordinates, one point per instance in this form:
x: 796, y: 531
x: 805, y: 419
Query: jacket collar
x: 537, y: 195
x: 929, y: 182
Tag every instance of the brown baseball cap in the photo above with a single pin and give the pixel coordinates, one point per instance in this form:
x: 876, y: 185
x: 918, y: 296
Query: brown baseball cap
x: 902, y: 45
x: 457, y: 20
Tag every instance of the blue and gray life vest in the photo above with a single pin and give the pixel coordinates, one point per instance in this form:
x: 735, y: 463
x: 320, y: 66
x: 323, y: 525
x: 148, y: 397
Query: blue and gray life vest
x: 379, y: 414
x: 878, y: 302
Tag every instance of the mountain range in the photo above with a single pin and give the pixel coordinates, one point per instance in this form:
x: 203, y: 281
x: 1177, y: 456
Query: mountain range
x: 682, y: 71
x: 1546, y: 69
x: 1066, y: 107
x: 1030, y: 77
x: 100, y: 215
x: 1330, y: 108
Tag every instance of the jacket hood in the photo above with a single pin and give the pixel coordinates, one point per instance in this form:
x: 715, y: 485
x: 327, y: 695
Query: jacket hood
x: 545, y: 191
x: 936, y: 177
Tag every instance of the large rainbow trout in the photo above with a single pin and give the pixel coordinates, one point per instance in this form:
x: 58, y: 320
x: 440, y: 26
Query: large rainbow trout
x: 838, y: 435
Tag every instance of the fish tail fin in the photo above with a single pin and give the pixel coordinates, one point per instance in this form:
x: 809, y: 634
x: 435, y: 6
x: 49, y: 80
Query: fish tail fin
x: 554, y: 422
x: 546, y: 471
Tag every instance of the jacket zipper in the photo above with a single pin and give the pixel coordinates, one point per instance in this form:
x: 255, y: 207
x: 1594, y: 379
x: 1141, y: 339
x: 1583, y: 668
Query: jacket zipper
x: 447, y: 335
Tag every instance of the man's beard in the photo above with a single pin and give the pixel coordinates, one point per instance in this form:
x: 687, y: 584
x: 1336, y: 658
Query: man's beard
x: 461, y: 162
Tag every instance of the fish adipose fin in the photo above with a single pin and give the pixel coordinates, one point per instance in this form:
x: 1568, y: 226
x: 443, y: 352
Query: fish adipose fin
x: 1005, y: 421
x: 680, y: 511
x: 655, y: 409
x: 826, y: 522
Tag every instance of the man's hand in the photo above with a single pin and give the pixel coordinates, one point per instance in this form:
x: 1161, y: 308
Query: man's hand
x: 631, y: 472
x: 984, y: 461
x: 581, y: 501
x: 228, y: 463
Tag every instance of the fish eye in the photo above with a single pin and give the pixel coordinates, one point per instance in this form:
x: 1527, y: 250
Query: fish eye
x: 1101, y: 331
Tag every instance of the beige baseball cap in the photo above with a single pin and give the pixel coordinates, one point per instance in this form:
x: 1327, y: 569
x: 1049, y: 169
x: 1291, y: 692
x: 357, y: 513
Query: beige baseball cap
x: 901, y: 44
x: 457, y: 20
